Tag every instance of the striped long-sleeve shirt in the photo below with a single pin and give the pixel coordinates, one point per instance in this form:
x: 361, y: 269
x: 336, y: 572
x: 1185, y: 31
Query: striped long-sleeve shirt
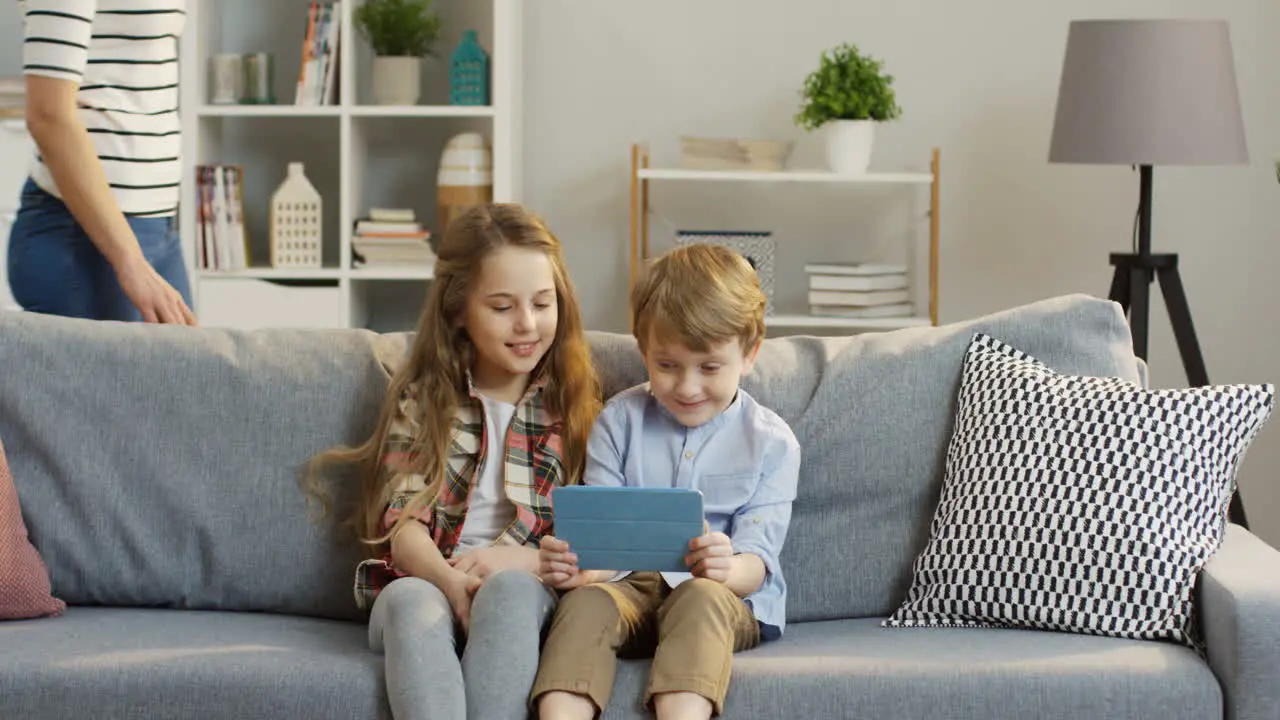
x: 123, y: 54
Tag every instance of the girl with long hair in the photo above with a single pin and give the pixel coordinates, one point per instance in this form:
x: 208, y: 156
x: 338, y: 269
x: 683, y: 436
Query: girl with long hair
x: 489, y: 412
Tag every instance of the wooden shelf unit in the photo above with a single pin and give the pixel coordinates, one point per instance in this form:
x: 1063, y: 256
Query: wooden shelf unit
x: 642, y: 175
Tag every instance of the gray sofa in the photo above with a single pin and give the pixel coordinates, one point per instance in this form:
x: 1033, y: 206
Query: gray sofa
x: 156, y: 468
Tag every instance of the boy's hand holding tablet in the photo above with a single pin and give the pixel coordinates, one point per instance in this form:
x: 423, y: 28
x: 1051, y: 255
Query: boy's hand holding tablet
x: 710, y: 556
x: 558, y: 568
x: 603, y: 530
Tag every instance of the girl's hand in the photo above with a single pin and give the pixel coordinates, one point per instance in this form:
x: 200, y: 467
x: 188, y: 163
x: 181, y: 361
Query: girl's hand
x: 557, y: 567
x: 460, y: 588
x: 485, y: 561
x: 710, y: 556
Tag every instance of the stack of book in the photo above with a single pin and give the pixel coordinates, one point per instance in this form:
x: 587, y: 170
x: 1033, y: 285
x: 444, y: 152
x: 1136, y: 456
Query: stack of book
x: 859, y: 290
x: 697, y: 153
x: 318, y: 73
x: 391, y: 237
x: 221, y: 240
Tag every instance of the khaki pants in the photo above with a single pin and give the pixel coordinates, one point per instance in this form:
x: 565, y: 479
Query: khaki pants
x: 691, y: 632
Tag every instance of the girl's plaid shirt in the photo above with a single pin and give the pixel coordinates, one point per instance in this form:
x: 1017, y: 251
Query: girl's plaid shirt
x: 532, y: 469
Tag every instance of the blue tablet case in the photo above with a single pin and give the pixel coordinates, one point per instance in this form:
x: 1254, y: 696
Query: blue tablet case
x: 628, y: 528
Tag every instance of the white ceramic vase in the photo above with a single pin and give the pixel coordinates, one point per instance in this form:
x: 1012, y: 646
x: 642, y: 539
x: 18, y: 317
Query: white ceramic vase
x: 849, y: 145
x: 396, y: 80
x: 465, y: 176
x: 296, y: 222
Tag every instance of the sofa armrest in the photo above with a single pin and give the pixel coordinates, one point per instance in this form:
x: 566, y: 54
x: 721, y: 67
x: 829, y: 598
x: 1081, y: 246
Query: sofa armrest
x: 1240, y: 617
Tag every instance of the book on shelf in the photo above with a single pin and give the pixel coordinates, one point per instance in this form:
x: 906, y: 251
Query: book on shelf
x: 368, y: 228
x: 858, y: 298
x: 387, y: 252
x: 858, y: 282
x: 863, y: 312
x: 855, y: 269
x: 391, y: 237
x: 380, y: 214
x: 318, y: 73
x: 222, y: 243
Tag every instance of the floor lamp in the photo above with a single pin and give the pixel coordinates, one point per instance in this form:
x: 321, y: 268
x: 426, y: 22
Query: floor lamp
x: 1145, y: 93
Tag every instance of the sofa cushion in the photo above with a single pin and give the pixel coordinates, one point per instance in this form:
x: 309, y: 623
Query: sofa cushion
x: 873, y: 414
x: 1076, y: 503
x: 857, y: 669
x: 113, y: 663
x: 24, y: 580
x: 159, y: 465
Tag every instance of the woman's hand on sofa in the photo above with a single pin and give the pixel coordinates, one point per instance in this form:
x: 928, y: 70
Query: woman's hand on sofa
x: 485, y: 561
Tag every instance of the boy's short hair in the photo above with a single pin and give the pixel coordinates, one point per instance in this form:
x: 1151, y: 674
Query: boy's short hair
x: 701, y: 295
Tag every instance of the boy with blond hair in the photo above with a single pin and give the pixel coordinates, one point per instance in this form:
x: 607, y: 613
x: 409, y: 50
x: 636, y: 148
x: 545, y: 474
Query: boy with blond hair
x: 698, y: 317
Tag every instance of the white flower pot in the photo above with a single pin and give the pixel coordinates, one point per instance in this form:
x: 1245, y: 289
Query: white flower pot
x: 396, y: 80
x: 849, y: 145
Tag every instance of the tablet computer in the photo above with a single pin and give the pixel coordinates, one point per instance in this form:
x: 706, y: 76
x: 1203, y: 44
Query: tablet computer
x: 628, y: 528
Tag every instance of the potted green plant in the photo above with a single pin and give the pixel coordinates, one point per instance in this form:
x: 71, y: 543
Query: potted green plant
x: 847, y: 95
x: 401, y: 32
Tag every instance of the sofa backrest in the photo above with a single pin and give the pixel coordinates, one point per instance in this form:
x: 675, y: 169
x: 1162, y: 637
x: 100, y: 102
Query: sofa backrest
x: 158, y: 466
x: 873, y: 414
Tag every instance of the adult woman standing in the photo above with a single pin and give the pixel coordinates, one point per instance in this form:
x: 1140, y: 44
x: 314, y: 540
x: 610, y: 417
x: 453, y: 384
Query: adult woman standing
x: 95, y: 234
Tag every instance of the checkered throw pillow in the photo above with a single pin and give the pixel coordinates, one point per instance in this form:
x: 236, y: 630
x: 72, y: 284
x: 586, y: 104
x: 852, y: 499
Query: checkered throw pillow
x: 1078, y: 504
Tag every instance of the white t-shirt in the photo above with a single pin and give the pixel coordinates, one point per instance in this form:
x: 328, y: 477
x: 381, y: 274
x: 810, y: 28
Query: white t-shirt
x: 489, y: 511
x: 123, y: 54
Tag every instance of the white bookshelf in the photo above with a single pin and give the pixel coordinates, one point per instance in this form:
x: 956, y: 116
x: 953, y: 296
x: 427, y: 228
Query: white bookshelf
x: 925, y: 290
x: 357, y: 154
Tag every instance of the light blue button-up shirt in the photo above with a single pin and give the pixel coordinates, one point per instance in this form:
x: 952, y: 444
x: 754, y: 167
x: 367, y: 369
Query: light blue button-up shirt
x: 746, y: 462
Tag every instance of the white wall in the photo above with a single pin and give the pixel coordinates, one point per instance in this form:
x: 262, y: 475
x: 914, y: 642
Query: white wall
x: 10, y: 38
x: 978, y: 79
x: 13, y: 149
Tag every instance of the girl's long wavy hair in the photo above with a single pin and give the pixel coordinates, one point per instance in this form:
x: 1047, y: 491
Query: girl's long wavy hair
x: 441, y: 356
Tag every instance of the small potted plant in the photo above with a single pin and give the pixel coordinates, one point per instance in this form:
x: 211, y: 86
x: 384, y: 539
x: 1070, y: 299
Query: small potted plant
x: 402, y: 32
x: 847, y: 95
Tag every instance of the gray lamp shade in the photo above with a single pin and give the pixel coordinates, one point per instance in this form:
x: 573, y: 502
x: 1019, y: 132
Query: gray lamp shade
x: 1148, y: 92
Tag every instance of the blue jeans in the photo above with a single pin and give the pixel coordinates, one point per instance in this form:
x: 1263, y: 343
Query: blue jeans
x: 55, y: 268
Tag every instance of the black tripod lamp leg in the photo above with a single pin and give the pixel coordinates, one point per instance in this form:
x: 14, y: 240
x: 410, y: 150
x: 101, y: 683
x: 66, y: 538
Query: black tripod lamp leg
x: 1139, y: 308
x: 1175, y: 301
x: 1184, y: 331
x: 1120, y: 287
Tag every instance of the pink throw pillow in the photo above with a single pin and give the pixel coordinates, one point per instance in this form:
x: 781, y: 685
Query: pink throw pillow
x: 25, y: 591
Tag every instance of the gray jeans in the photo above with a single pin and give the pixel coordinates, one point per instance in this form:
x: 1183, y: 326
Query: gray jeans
x: 413, y: 626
